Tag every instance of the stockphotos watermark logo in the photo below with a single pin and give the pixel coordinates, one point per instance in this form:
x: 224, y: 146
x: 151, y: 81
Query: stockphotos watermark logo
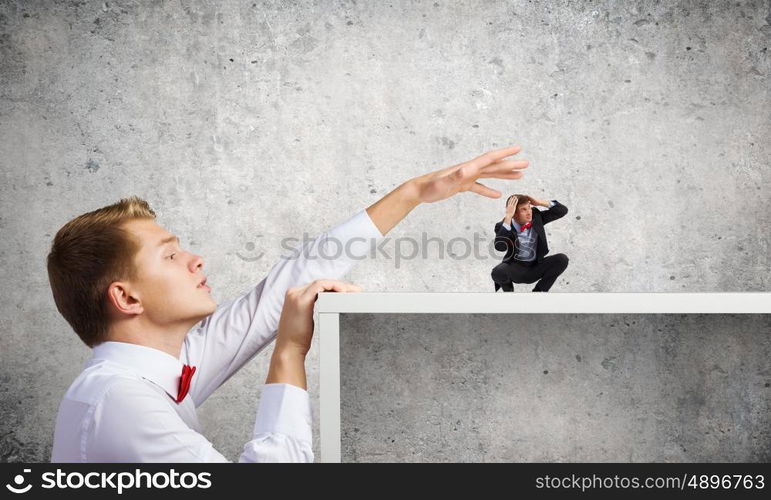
x: 17, y: 485
x: 403, y: 248
x: 112, y: 481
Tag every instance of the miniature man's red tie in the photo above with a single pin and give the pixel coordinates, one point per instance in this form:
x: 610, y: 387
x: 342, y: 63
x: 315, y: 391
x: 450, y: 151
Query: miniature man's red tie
x: 184, y: 382
x: 525, y: 226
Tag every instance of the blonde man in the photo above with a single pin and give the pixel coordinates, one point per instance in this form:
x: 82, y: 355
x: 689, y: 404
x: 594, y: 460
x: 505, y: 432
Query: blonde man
x: 161, y: 345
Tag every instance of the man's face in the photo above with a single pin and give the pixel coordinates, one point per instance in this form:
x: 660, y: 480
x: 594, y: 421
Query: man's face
x: 168, y: 280
x: 524, y: 213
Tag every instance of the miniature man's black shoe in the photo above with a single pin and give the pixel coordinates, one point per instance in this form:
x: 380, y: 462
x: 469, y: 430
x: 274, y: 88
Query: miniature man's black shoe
x: 507, y: 287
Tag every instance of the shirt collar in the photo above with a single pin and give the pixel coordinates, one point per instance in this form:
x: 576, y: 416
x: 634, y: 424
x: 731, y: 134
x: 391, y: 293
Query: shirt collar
x: 160, y: 368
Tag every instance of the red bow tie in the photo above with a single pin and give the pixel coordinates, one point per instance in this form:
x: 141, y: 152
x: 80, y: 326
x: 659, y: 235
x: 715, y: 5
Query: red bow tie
x: 525, y: 226
x: 184, y: 382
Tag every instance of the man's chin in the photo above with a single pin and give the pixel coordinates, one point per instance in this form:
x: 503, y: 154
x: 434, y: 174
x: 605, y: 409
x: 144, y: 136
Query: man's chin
x: 205, y: 312
x: 211, y: 308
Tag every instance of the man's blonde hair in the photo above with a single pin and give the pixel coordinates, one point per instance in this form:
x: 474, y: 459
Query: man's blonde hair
x: 88, y: 253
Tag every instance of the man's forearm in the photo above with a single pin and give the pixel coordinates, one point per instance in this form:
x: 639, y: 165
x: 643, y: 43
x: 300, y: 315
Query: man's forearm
x: 389, y: 210
x: 287, y: 366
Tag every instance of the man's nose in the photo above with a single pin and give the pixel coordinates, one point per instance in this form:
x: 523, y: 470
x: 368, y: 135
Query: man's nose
x: 196, y: 263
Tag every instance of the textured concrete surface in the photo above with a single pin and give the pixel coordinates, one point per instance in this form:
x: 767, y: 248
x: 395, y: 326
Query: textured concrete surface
x: 566, y: 388
x: 244, y: 123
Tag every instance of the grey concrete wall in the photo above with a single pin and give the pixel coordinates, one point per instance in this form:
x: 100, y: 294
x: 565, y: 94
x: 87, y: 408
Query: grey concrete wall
x: 243, y: 123
x: 555, y: 387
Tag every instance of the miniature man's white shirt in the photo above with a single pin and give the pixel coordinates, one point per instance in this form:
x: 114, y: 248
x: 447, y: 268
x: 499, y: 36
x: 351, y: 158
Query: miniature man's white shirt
x: 122, y: 408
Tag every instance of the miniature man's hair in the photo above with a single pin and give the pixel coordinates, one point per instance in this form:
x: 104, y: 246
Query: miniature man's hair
x: 521, y: 199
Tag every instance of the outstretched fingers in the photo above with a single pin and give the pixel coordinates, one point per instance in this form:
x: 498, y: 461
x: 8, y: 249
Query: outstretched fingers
x: 503, y: 167
x: 495, y: 155
x: 483, y: 190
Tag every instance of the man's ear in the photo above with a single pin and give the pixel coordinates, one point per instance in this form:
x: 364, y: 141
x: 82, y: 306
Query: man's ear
x: 123, y: 299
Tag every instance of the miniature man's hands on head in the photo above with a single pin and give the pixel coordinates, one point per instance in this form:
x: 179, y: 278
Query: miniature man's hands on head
x: 538, y: 203
x: 511, y: 207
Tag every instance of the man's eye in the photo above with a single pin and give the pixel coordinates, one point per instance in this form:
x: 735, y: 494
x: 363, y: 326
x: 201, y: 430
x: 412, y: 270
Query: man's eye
x: 172, y: 256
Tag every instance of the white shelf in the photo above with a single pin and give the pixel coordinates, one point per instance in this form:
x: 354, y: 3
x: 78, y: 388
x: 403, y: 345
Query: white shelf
x: 555, y: 303
x: 330, y: 305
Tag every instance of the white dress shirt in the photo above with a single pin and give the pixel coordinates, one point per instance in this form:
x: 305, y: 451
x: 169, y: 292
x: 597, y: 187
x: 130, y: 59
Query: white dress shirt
x: 122, y: 407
